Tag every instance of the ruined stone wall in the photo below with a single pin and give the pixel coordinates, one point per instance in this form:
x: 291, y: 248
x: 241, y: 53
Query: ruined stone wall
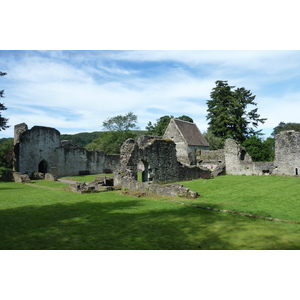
x: 239, y: 162
x: 34, y: 146
x: 40, y: 150
x: 210, y: 155
x: 287, y: 153
x: 210, y: 159
x: 159, y: 159
x: 160, y: 166
x: 73, y: 161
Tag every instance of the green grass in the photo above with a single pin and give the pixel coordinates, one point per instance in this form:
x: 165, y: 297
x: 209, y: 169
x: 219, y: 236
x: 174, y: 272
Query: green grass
x: 266, y: 196
x: 86, y: 178
x: 50, y: 184
x: 35, y: 217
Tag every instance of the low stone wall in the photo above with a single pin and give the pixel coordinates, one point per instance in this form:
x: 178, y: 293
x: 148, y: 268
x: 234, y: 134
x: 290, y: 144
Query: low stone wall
x: 207, y: 156
x: 100, y: 184
x: 168, y: 190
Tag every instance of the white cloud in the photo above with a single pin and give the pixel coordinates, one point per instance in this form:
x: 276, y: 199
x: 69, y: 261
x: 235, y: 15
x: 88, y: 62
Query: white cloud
x: 77, y: 92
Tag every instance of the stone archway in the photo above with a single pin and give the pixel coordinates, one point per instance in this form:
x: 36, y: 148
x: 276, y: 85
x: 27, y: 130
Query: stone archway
x: 143, y: 171
x: 43, y: 167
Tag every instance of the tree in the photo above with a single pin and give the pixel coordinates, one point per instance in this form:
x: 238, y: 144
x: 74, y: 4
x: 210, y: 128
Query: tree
x: 6, y: 154
x: 215, y: 142
x: 162, y: 123
x: 159, y: 127
x: 110, y: 141
x: 260, y: 150
x: 118, y: 131
x: 3, y: 121
x: 186, y: 118
x: 285, y: 126
x: 121, y: 123
x: 228, y: 115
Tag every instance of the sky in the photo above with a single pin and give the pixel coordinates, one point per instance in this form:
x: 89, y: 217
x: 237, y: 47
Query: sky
x: 75, y: 91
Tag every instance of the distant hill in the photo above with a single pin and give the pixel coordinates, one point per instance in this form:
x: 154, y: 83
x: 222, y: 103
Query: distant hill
x: 84, y: 138
x: 5, y: 139
x: 81, y: 139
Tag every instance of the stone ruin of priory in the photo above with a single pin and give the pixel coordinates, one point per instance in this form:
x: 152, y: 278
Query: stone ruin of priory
x: 181, y: 154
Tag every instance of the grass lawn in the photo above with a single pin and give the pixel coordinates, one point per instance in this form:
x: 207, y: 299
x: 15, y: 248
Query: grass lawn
x: 86, y: 178
x: 266, y: 196
x: 35, y: 216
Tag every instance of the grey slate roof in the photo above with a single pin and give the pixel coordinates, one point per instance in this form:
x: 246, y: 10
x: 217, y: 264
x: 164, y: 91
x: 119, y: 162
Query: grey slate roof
x: 191, y: 133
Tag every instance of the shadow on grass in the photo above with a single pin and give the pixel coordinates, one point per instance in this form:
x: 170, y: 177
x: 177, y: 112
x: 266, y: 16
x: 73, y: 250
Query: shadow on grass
x: 131, y: 224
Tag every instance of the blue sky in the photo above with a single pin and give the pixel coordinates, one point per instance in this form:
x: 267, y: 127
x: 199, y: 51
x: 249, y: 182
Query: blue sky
x: 75, y: 91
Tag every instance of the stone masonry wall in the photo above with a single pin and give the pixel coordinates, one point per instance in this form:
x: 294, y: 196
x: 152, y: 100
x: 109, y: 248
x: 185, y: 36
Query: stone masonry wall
x: 40, y: 150
x: 159, y: 159
x: 182, y: 150
x: 239, y: 162
x: 160, y: 166
x: 287, y: 153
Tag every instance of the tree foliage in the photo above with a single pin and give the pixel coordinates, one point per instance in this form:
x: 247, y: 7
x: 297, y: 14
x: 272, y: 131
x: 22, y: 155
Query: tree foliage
x: 111, y: 141
x: 119, y: 130
x: 3, y: 121
x: 215, y: 142
x: 121, y: 123
x: 228, y: 115
x: 260, y: 150
x: 162, y: 123
x: 81, y: 139
x: 286, y: 126
x: 6, y: 154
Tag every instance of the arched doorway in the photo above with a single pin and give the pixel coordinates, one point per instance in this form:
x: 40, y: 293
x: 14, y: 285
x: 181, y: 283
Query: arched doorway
x: 43, y: 166
x: 143, y: 171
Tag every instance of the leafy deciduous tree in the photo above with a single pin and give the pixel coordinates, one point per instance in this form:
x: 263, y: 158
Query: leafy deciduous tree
x: 286, y: 126
x: 162, y: 123
x: 121, y: 123
x: 119, y: 130
x: 260, y: 150
x: 215, y: 142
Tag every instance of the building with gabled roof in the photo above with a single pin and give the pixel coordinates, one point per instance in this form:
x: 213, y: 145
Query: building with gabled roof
x: 187, y: 138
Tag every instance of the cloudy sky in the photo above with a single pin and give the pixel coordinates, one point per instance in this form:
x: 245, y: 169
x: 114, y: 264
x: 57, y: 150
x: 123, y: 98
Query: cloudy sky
x: 75, y: 91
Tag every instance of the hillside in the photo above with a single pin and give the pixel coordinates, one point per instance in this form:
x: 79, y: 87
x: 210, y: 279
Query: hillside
x: 84, y: 138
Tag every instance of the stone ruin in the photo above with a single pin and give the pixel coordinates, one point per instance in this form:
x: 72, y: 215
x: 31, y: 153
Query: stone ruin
x: 156, y: 158
x: 100, y: 184
x: 149, y: 162
x: 187, y: 138
x: 238, y: 162
x: 287, y: 154
x: 40, y: 150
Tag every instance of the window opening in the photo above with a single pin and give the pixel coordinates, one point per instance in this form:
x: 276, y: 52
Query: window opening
x: 243, y: 154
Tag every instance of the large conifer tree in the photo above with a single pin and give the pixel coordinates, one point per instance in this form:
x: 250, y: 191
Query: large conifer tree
x: 227, y: 112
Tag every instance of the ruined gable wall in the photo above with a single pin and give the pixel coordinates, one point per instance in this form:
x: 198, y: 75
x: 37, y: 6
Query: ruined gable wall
x: 183, y: 152
x: 287, y: 153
